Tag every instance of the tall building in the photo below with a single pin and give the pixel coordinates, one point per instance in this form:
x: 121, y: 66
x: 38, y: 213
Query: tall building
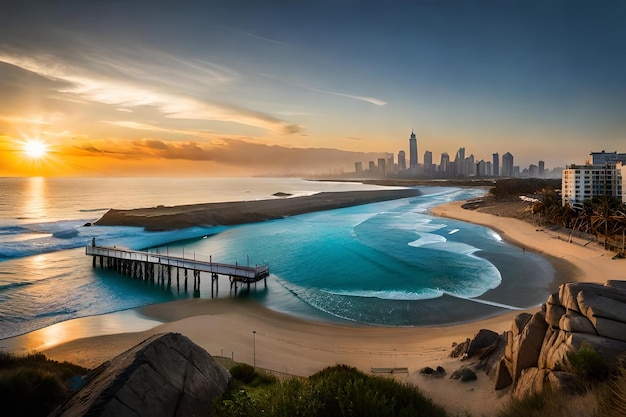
x: 604, y: 157
x: 412, y: 151
x: 583, y: 182
x: 382, y: 170
x: 459, y: 160
x: 470, y: 166
x: 507, y: 165
x: 428, y: 163
x: 401, y: 161
x: 542, y: 169
x: 444, y: 165
x: 358, y: 167
x: 496, y: 164
x: 372, y: 167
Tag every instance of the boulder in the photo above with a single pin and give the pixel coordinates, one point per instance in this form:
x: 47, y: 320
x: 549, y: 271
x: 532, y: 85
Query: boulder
x: 564, y: 382
x: 519, y: 322
x: 503, y: 377
x: 616, y: 284
x: 464, y: 374
x: 610, y: 328
x: 573, y: 321
x: 529, y: 345
x: 593, y: 304
x: 166, y: 375
x: 531, y: 381
x: 554, y: 312
x: 484, y: 342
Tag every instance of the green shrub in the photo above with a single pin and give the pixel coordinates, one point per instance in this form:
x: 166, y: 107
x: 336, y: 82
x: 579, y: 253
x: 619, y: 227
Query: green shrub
x: 588, y: 364
x: 34, y: 385
x: 335, y: 391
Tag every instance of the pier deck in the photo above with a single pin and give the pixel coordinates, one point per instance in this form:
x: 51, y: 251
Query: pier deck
x: 158, y: 267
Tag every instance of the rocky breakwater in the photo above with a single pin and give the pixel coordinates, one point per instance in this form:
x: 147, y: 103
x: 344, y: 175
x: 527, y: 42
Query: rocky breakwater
x: 538, y: 348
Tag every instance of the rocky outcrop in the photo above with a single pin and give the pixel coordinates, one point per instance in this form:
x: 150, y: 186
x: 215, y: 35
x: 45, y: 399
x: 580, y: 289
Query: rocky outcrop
x: 537, y: 346
x: 165, y: 375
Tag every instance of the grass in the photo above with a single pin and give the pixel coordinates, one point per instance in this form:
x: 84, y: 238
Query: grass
x: 34, y: 385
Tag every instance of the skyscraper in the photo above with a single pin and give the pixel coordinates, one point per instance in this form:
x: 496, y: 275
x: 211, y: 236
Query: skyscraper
x: 428, y: 163
x: 496, y: 164
x: 412, y: 151
x: 507, y: 165
x: 401, y: 161
x: 459, y: 159
x: 444, y: 166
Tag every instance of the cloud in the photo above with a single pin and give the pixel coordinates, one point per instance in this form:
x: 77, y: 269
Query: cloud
x: 371, y: 100
x: 116, y: 83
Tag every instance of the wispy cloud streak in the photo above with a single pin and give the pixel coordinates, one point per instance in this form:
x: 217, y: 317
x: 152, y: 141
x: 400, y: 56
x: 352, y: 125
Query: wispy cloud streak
x: 117, y: 83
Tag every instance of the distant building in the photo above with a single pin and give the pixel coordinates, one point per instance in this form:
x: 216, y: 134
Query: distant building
x: 358, y: 167
x: 583, y: 182
x: 603, y: 157
x: 459, y: 160
x: 542, y: 169
x: 428, y: 163
x: 412, y: 151
x: 444, y: 165
x: 507, y: 165
x: 401, y: 161
x: 496, y: 164
x: 382, y: 169
x: 372, y: 167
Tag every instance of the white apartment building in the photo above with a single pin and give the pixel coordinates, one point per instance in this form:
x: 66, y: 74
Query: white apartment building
x: 582, y: 182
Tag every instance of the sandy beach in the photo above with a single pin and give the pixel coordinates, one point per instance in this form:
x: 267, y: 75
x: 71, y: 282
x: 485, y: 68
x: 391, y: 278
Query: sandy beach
x: 225, y: 327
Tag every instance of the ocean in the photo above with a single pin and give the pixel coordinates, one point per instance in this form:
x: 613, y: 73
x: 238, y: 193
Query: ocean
x: 386, y: 264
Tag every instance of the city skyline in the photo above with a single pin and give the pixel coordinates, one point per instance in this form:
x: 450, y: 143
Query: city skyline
x: 127, y: 88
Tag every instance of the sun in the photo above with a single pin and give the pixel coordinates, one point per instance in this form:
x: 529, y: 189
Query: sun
x: 35, y: 148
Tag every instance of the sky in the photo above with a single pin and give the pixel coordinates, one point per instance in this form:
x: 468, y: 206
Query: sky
x: 297, y: 87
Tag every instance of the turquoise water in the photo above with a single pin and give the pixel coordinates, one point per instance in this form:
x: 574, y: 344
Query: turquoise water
x: 388, y: 263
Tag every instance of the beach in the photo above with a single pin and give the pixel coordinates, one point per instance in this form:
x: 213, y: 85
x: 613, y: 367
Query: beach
x: 290, y: 345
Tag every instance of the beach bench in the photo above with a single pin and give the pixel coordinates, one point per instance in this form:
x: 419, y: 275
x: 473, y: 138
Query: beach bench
x: 390, y: 370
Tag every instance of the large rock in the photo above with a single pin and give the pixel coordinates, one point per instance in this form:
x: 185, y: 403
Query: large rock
x: 554, y: 312
x: 164, y: 376
x: 529, y: 345
x: 594, y: 304
x: 576, y: 322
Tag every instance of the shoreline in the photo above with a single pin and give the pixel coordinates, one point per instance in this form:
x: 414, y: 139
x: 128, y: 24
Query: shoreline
x: 224, y: 327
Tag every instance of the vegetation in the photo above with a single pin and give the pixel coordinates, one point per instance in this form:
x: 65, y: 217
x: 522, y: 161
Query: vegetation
x: 588, y: 364
x: 602, y: 217
x: 335, y: 391
x: 514, y: 187
x: 34, y: 385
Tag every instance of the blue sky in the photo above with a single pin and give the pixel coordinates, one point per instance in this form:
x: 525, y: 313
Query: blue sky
x: 139, y: 87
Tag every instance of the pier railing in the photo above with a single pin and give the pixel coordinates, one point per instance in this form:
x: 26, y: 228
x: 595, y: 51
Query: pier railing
x: 139, y: 264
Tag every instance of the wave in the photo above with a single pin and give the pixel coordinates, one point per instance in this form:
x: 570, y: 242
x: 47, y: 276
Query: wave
x: 56, y: 313
x: 13, y: 230
x: 14, y: 285
x: 93, y: 210
x: 424, y: 294
x: 64, y: 235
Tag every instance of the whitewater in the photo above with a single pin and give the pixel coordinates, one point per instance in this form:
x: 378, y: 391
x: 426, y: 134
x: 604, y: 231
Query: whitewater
x: 389, y: 263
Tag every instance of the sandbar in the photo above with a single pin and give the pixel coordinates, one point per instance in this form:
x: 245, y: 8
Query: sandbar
x: 240, y: 212
x: 247, y: 332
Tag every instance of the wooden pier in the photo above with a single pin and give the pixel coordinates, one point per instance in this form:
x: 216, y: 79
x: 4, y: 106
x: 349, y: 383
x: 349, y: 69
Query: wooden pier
x: 157, y: 268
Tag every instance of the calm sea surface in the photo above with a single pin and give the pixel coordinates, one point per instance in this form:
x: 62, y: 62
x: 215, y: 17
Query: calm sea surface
x: 387, y: 263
